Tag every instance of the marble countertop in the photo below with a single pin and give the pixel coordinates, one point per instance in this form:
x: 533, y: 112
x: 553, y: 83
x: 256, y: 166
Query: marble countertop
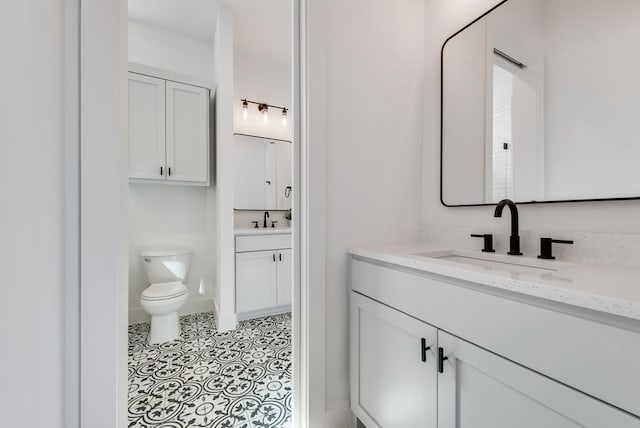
x: 605, y: 289
x: 252, y: 231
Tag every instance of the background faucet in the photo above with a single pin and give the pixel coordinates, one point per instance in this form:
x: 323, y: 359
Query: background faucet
x: 514, y: 240
x: 265, y: 217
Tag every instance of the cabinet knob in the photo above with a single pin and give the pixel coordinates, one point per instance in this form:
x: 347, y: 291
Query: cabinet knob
x: 423, y: 349
x: 441, y: 360
x: 161, y: 171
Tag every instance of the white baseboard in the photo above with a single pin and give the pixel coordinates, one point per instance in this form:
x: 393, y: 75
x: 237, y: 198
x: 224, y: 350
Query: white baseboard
x: 227, y: 321
x: 339, y: 416
x: 195, y: 306
x: 264, y: 312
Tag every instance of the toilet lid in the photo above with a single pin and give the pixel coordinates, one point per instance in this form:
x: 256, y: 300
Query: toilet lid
x: 164, y: 290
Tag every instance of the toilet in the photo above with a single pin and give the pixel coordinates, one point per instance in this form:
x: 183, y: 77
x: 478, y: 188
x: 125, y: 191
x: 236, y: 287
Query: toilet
x: 166, y: 271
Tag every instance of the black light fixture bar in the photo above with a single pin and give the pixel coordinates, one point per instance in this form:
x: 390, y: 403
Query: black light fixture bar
x: 259, y: 104
x: 264, y: 109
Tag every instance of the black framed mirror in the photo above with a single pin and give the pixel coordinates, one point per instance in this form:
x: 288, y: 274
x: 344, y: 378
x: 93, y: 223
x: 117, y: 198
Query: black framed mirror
x: 540, y: 103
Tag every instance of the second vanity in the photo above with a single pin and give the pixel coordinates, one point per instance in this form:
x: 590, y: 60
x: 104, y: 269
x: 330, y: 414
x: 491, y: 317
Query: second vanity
x: 263, y: 271
x: 451, y: 338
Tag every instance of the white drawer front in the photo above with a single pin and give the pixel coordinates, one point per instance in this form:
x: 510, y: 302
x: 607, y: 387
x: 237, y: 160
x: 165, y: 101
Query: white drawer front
x: 262, y: 242
x: 599, y: 359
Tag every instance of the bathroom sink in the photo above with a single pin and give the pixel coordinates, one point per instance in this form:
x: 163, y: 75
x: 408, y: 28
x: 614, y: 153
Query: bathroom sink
x: 491, y: 262
x: 262, y: 231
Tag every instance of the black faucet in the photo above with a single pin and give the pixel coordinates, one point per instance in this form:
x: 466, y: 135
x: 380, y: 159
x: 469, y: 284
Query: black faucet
x: 514, y: 240
x: 266, y: 216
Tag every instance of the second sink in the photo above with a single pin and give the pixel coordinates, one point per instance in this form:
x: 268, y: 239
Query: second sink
x: 488, y: 262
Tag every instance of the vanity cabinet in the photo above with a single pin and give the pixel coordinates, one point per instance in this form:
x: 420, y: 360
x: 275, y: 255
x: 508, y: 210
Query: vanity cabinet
x: 263, y: 275
x: 505, y: 363
x: 168, y: 131
x: 393, y: 355
x: 478, y: 388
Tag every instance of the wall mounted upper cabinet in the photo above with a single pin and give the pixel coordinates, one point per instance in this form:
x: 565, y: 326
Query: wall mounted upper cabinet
x: 263, y: 173
x: 168, y: 131
x: 146, y: 127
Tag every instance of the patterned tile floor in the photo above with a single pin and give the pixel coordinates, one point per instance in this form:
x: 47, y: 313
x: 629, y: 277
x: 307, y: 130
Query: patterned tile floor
x: 235, y: 379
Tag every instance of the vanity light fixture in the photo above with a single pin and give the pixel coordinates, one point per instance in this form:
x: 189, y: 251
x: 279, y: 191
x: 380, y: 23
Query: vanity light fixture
x: 245, y: 109
x: 264, y: 109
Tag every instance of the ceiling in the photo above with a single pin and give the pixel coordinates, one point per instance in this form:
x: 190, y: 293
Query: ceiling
x: 261, y: 27
x: 193, y: 18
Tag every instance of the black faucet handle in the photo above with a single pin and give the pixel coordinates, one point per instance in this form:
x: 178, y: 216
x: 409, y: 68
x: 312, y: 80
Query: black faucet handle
x: 255, y: 224
x: 546, y: 247
x: 488, y: 242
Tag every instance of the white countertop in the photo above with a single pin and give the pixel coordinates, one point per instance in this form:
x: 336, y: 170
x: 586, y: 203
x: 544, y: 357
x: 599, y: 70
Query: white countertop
x: 252, y: 231
x: 605, y: 289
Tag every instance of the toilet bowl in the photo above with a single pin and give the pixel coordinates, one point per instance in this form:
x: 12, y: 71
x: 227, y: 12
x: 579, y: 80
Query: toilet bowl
x: 166, y: 271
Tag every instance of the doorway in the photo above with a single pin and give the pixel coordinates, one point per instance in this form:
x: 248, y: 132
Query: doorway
x: 103, y: 246
x: 209, y: 93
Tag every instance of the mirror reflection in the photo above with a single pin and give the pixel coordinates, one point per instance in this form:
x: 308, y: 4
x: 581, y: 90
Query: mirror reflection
x: 263, y: 175
x: 532, y: 112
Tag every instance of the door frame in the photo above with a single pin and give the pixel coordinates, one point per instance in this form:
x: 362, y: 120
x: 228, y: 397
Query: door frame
x: 96, y: 241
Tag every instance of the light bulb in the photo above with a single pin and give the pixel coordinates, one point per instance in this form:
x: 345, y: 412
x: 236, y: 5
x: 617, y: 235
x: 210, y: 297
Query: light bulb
x: 284, y: 117
x: 245, y: 109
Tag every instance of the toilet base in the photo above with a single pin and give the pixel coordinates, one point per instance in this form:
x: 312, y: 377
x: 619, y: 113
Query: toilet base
x: 164, y: 328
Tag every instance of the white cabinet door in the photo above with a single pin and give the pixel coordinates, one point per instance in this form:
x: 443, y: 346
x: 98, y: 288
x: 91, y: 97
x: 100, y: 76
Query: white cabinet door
x: 479, y: 389
x: 285, y: 276
x: 187, y: 133
x: 249, y: 165
x: 393, y: 375
x: 256, y: 281
x: 146, y: 127
x: 284, y: 171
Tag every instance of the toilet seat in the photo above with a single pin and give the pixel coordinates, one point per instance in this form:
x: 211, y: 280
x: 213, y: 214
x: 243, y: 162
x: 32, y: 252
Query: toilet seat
x: 164, y: 291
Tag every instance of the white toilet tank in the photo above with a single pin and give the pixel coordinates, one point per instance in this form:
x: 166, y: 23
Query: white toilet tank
x: 166, y: 265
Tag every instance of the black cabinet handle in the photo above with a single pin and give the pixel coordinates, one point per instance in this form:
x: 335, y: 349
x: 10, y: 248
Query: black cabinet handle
x: 274, y: 257
x: 280, y: 256
x: 441, y: 360
x: 423, y: 349
x: 169, y: 171
x: 161, y: 171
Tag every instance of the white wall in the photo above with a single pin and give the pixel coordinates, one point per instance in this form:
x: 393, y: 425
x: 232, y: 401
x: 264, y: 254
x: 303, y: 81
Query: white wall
x: 261, y: 79
x: 443, y: 18
x: 163, y: 216
x: 262, y: 72
x: 262, y: 43
x: 224, y: 176
x: 157, y: 47
x: 31, y: 218
x: 373, y: 149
